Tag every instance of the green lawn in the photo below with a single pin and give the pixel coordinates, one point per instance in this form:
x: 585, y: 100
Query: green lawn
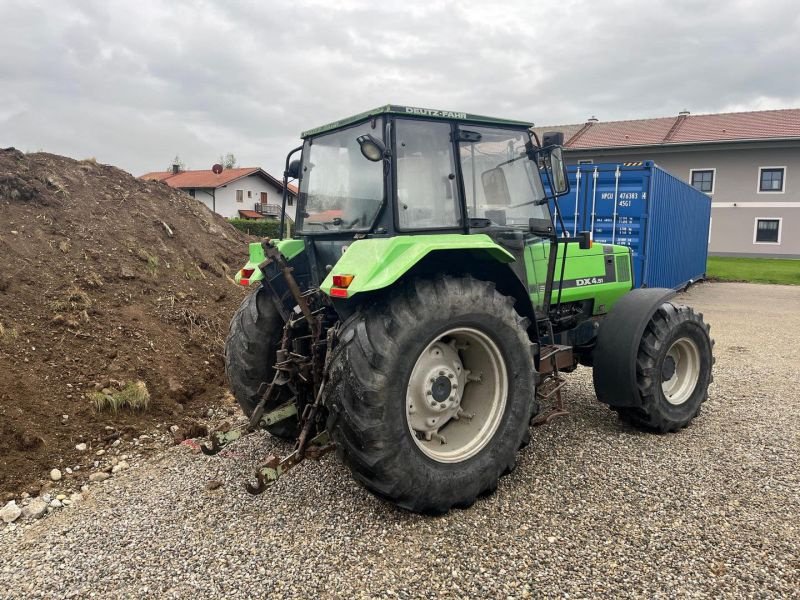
x: 756, y: 270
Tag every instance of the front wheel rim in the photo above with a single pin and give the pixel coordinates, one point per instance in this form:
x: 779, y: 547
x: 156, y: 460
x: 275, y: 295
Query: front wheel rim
x: 456, y: 395
x: 680, y: 371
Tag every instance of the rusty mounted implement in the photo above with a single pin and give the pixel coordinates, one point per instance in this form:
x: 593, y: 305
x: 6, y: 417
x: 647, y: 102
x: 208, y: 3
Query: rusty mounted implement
x: 299, y: 374
x: 429, y: 305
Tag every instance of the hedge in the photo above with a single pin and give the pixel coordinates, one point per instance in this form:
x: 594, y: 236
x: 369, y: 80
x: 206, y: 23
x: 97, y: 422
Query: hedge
x: 264, y: 229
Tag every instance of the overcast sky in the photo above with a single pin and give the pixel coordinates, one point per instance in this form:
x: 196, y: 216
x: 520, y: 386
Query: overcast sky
x: 135, y: 83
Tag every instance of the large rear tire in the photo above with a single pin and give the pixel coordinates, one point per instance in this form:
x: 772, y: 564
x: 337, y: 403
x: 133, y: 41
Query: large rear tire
x: 673, y: 370
x: 253, y: 339
x: 406, y: 366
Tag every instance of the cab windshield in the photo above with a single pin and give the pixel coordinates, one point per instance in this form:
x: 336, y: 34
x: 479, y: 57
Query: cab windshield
x: 500, y: 182
x: 340, y: 190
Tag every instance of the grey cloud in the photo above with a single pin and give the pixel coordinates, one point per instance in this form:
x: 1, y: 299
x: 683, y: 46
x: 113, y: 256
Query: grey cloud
x: 135, y: 83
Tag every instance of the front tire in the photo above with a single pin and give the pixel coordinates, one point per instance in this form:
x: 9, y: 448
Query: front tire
x: 673, y: 368
x: 409, y: 372
x: 253, y: 339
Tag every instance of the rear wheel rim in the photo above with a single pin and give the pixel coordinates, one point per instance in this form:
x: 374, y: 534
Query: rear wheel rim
x: 679, y: 383
x: 456, y: 395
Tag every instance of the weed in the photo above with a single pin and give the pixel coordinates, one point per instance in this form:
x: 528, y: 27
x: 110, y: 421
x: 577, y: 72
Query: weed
x: 152, y: 265
x: 74, y: 300
x: 133, y: 396
x: 8, y: 333
x: 93, y: 280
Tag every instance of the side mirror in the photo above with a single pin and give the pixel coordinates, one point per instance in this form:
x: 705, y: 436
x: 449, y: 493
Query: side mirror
x: 294, y: 170
x: 585, y: 240
x: 558, y: 171
x: 553, y: 138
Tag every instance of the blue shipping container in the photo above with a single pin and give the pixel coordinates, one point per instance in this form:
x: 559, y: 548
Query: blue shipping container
x: 665, y: 221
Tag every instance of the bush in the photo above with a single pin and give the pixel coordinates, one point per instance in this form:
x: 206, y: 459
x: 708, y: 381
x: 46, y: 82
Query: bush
x: 264, y: 229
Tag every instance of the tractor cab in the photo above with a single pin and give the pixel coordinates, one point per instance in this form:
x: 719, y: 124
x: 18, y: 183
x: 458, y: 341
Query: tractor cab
x: 406, y: 171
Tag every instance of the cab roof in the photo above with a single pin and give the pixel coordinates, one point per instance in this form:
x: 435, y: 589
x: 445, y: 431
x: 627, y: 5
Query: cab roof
x: 412, y: 111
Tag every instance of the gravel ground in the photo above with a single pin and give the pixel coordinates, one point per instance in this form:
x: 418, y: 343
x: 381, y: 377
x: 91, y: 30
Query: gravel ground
x: 593, y: 507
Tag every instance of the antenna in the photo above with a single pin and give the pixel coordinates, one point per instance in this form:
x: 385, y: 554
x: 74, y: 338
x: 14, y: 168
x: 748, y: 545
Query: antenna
x: 217, y: 169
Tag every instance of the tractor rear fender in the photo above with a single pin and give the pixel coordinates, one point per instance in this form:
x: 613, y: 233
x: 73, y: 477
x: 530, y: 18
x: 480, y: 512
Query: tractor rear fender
x: 377, y: 263
x: 618, y: 345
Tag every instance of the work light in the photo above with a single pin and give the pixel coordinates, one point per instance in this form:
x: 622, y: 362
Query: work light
x: 371, y: 147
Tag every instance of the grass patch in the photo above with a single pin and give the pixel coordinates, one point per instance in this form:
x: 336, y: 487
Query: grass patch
x: 152, y: 265
x: 8, y: 333
x: 754, y: 270
x: 74, y: 300
x: 133, y: 396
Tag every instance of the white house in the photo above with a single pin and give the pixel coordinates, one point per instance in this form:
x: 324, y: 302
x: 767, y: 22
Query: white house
x: 249, y: 192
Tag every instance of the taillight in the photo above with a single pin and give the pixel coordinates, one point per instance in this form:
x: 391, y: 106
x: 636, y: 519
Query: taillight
x: 343, y: 281
x: 245, y: 278
x: 337, y: 292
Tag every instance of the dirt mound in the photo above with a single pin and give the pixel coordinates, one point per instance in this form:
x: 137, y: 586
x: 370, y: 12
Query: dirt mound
x: 106, y: 281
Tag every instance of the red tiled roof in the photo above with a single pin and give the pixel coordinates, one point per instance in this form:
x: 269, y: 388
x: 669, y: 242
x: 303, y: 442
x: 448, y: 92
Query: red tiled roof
x: 250, y: 214
x: 156, y: 175
x: 682, y: 129
x: 186, y: 180
x: 200, y: 179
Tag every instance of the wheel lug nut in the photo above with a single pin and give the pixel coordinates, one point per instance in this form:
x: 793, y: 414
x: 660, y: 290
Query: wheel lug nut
x: 429, y: 393
x: 451, y: 376
x: 441, y: 373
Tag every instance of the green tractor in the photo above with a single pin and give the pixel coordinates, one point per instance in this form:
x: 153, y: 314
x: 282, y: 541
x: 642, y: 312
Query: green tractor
x: 424, y: 312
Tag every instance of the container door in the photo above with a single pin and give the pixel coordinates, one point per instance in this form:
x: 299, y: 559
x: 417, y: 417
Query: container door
x: 610, y: 200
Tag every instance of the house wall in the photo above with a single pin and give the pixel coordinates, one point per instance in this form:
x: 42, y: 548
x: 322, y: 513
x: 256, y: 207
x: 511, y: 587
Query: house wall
x: 736, y: 202
x: 225, y: 202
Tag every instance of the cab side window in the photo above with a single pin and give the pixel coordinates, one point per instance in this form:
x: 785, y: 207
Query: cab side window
x: 427, y: 191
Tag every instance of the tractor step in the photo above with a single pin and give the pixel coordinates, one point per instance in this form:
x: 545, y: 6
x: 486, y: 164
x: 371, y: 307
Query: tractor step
x: 554, y: 358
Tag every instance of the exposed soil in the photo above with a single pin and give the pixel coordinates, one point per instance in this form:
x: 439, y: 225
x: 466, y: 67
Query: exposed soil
x: 104, y: 280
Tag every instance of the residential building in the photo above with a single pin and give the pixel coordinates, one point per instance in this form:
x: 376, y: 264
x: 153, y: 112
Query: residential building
x: 249, y: 192
x: 748, y: 162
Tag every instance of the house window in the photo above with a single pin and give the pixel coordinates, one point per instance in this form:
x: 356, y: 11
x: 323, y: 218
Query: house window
x: 767, y: 231
x: 249, y: 194
x: 289, y: 200
x: 264, y: 197
x: 240, y: 196
x: 703, y: 180
x: 770, y: 179
x: 586, y: 161
x: 191, y: 193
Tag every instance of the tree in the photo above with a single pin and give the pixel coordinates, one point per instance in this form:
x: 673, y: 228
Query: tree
x: 228, y: 161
